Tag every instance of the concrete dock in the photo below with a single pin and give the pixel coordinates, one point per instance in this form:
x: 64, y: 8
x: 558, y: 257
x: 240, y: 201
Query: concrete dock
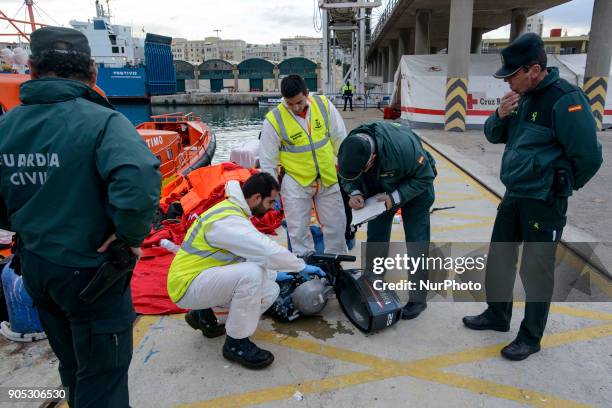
x: 213, y: 98
x: 432, y: 361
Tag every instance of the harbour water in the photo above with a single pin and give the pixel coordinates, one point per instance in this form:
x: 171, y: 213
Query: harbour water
x: 233, y: 125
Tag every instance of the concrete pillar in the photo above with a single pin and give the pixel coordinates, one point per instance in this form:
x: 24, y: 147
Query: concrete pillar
x: 375, y: 63
x: 196, y: 75
x: 404, y: 42
x: 518, y: 22
x: 476, y: 43
x: 598, y: 59
x: 362, y: 51
x: 459, y: 35
x: 325, y: 65
x: 393, y: 48
x: 275, y: 71
x: 421, y: 32
x: 235, y: 72
x: 379, y: 63
x: 385, y: 64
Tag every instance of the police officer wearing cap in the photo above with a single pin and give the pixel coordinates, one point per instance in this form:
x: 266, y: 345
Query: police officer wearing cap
x: 551, y: 149
x: 387, y: 157
x: 76, y: 179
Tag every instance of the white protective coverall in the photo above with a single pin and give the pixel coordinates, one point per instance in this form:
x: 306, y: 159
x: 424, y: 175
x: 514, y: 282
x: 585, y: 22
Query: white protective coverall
x: 247, y: 288
x: 298, y: 200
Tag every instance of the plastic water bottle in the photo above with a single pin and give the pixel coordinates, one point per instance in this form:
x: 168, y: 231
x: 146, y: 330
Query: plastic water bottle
x: 169, y: 245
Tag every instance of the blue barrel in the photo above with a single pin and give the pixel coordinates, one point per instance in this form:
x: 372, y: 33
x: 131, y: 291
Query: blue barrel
x: 23, y: 316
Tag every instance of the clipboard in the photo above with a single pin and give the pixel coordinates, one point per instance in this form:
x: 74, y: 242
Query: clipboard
x: 372, y: 209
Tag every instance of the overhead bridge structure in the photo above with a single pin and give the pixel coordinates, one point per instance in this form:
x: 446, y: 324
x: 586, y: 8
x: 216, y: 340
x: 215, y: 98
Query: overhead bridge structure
x: 456, y: 27
x: 345, y: 25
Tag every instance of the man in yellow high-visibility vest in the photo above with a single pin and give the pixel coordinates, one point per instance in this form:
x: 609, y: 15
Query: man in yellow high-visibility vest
x: 225, y: 262
x: 347, y: 94
x: 303, y: 134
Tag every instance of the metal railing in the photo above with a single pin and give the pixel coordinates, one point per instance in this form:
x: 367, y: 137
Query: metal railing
x: 175, y: 117
x: 384, y: 16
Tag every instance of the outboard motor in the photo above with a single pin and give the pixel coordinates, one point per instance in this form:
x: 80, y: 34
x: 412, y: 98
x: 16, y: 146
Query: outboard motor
x: 370, y: 310
x: 310, y: 297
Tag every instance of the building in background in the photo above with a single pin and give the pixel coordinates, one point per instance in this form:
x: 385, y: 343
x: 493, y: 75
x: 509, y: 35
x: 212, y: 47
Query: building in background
x: 555, y: 44
x: 178, y: 48
x: 299, y: 46
x: 271, y: 52
x: 535, y: 24
x: 229, y: 50
x: 198, y: 51
x: 194, y: 52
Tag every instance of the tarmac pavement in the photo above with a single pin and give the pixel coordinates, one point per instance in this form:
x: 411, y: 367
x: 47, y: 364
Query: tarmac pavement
x: 431, y: 361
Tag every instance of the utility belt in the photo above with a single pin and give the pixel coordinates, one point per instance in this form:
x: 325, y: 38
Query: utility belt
x: 561, y: 185
x: 120, y: 264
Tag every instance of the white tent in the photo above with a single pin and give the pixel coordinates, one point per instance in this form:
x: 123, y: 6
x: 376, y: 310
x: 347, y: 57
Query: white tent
x: 420, y: 86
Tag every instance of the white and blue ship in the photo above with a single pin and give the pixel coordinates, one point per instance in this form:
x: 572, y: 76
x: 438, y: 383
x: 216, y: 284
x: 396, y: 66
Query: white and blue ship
x: 128, y: 67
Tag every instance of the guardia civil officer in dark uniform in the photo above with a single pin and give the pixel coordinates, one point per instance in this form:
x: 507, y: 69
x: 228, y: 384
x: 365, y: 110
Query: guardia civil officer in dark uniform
x: 551, y: 150
x: 387, y: 157
x: 75, y: 175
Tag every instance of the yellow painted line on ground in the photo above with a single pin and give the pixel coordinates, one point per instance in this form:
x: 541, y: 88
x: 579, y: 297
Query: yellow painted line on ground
x: 473, y: 197
x: 399, y: 235
x: 283, y: 392
x: 475, y: 184
x: 142, y: 326
x: 325, y: 350
x: 575, y: 312
x: 448, y: 179
x: 486, y: 352
x: 602, y: 283
x: 395, y: 235
x: 507, y: 392
x: 463, y: 215
x: 481, y: 224
x: 426, y: 369
x: 585, y: 314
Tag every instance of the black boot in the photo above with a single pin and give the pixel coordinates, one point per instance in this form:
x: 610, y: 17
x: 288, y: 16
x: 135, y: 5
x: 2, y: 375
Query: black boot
x: 245, y: 352
x: 206, y: 321
x: 413, y: 309
x: 484, y: 321
x: 519, y: 350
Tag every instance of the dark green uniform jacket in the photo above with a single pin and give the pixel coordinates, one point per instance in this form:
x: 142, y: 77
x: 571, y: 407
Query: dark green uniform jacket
x: 72, y: 172
x: 553, y: 128
x: 401, y: 163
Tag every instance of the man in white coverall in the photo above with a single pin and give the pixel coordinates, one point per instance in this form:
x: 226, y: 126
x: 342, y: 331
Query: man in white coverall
x: 224, y: 261
x: 303, y: 134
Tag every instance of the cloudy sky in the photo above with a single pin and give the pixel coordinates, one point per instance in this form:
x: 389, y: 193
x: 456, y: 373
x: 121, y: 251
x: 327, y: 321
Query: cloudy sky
x: 255, y: 21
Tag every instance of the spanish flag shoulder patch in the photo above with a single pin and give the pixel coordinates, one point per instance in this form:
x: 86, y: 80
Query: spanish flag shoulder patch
x: 421, y: 160
x: 574, y: 108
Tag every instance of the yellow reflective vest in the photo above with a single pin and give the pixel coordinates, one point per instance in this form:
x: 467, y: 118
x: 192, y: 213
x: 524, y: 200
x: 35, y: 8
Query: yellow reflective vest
x: 306, y: 155
x: 346, y: 87
x: 196, y: 254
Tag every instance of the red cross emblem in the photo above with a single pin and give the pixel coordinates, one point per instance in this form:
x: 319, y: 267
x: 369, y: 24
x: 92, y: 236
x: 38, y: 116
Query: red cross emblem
x: 471, y: 101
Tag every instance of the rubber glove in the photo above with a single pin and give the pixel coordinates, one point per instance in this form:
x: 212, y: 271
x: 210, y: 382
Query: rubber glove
x: 283, y: 276
x: 310, y: 270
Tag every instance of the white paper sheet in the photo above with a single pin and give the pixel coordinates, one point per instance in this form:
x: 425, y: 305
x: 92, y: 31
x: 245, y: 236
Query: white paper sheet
x: 372, y: 209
